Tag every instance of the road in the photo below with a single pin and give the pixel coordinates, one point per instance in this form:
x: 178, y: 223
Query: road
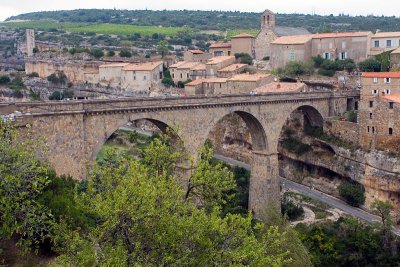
x: 331, y: 201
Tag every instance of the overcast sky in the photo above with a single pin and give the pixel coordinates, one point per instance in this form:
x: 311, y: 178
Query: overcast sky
x: 324, y: 7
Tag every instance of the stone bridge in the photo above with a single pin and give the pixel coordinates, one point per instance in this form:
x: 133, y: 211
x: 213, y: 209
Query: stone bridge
x: 74, y: 131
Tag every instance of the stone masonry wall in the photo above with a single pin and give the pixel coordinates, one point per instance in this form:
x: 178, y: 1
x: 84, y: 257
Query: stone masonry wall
x: 347, y: 131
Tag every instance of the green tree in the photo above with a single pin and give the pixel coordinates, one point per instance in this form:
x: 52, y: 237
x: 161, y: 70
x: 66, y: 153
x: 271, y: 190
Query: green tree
x: 97, y: 53
x: 22, y: 180
x: 125, y: 53
x: 110, y: 53
x: 352, y: 192
x: 244, y: 58
x: 145, y: 219
x: 162, y: 48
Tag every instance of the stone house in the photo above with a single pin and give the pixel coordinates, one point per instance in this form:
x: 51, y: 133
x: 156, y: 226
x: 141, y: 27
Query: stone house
x: 186, y: 70
x: 332, y: 46
x: 278, y: 87
x: 220, y: 49
x: 379, y: 111
x: 342, y: 45
x: 196, y: 56
x: 384, y: 41
x: 142, y: 76
x: 231, y: 70
x: 238, y: 84
x: 269, y: 32
x: 243, y: 43
x: 110, y: 74
x: 395, y: 59
x: 214, y: 64
x: 290, y: 48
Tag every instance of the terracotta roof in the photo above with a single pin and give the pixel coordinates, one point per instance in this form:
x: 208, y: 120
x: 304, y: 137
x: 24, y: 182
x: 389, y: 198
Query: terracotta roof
x: 216, y: 60
x: 221, y: 45
x: 245, y: 77
x: 209, y: 80
x: 143, y: 66
x: 397, y: 51
x: 293, y: 40
x: 233, y: 67
x: 195, y: 82
x: 339, y: 34
x: 386, y: 35
x: 392, y: 98
x: 243, y: 35
x: 186, y: 65
x: 276, y: 87
x: 114, y: 65
x: 200, y: 66
x: 196, y: 51
x: 381, y: 74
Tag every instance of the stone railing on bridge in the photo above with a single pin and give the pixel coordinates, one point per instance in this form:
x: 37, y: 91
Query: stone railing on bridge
x: 157, y: 103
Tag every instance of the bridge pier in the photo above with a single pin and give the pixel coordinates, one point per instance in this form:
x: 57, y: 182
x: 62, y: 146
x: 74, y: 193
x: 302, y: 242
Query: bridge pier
x: 264, y: 188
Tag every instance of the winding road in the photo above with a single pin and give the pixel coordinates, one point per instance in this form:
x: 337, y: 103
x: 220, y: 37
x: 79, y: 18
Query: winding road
x: 331, y: 201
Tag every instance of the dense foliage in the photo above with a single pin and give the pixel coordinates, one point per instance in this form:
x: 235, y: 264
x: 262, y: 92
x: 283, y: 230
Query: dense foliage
x: 212, y: 20
x: 352, y: 192
x: 348, y: 242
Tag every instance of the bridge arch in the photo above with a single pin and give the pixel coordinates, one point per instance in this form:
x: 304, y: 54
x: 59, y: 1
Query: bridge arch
x: 264, y: 185
x: 113, y: 124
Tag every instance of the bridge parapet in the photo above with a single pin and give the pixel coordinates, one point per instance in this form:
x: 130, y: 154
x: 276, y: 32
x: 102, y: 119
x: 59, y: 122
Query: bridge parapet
x: 154, y: 104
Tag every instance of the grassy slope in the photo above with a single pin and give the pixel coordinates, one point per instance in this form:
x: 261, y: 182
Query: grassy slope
x: 103, y: 28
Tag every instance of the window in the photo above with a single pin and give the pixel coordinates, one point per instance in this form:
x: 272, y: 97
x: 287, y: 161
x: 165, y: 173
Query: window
x: 373, y: 129
x: 343, y: 55
x: 375, y: 80
x: 387, y: 80
x: 390, y: 131
x: 391, y: 105
x: 218, y: 53
x: 173, y: 75
x: 229, y: 53
x: 368, y: 128
x: 327, y: 55
x: 187, y: 75
x: 371, y: 104
x: 387, y: 91
x: 375, y: 92
x: 376, y: 43
x: 370, y: 116
x: 144, y: 77
x: 181, y: 75
x: 388, y: 43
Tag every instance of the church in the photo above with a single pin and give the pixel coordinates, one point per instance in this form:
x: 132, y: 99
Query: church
x: 270, y: 32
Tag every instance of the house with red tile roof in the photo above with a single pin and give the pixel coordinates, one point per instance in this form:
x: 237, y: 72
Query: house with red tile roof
x: 196, y: 56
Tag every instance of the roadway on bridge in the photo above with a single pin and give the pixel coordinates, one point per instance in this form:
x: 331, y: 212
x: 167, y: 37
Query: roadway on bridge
x: 331, y: 201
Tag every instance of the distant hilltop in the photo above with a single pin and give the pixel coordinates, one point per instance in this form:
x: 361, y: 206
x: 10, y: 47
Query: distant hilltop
x: 215, y: 20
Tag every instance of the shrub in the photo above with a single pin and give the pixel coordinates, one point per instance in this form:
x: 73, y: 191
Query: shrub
x: 292, y: 210
x: 352, y: 192
x: 58, y: 78
x: 370, y: 65
x: 294, y: 145
x: 33, y: 74
x: 244, y: 58
x: 110, y: 53
x: 17, y: 84
x: 318, y: 60
x: 97, y: 53
x: 56, y: 95
x: 297, y: 68
x: 325, y: 72
x: 125, y: 53
x: 4, y: 79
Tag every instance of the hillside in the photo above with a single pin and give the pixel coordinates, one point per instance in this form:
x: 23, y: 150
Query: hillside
x: 215, y: 20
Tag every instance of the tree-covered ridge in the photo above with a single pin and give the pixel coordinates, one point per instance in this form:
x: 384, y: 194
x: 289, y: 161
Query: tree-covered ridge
x: 216, y: 20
